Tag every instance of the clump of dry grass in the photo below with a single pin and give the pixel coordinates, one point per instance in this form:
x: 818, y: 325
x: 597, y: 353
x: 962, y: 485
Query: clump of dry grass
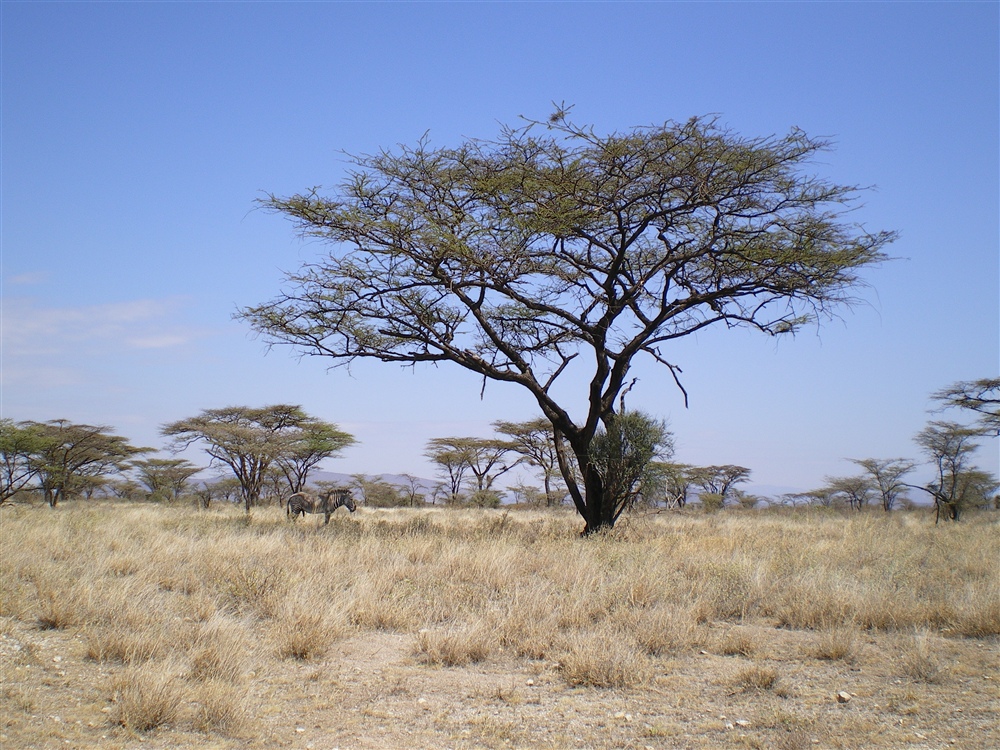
x: 736, y: 642
x: 129, y: 624
x: 755, y: 677
x: 146, y: 697
x: 220, y: 706
x: 839, y: 643
x: 250, y: 585
x: 604, y: 660
x: 919, y: 661
x: 221, y: 650
x: 455, y: 647
x: 59, y: 606
x: 665, y: 630
x: 307, y: 625
x: 978, y: 615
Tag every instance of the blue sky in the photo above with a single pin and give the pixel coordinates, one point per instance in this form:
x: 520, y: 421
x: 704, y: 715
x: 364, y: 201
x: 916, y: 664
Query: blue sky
x: 137, y: 136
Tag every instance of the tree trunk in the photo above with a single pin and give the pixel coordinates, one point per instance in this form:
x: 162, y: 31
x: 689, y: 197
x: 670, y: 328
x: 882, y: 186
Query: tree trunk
x: 599, y: 513
x: 592, y: 502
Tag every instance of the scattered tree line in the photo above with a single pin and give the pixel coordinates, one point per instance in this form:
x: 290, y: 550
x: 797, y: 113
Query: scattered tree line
x: 270, y: 451
x: 957, y: 484
x: 272, y: 447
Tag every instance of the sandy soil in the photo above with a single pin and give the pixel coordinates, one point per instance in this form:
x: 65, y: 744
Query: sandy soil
x: 371, y: 691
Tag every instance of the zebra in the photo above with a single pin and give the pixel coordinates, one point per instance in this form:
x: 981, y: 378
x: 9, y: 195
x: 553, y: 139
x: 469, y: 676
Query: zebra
x: 327, y: 502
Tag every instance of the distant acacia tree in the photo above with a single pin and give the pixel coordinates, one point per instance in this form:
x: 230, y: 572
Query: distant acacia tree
x: 74, y: 458
x: 165, y: 478
x: 224, y: 488
x: 484, y: 458
x: 677, y: 480
x: 534, y: 441
x: 887, y: 477
x: 246, y: 439
x: 719, y: 480
x: 452, y: 462
x: 306, y: 445
x: 411, y: 490
x: 512, y: 257
x: 856, y: 490
x: 957, y: 484
x: 488, y: 460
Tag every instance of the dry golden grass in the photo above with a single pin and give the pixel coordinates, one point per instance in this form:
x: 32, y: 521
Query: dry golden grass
x: 428, y: 628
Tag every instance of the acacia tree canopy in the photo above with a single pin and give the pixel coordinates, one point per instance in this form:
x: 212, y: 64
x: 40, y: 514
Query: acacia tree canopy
x: 513, y: 257
x: 74, y: 457
x: 981, y: 397
x: 19, y: 446
x: 250, y: 440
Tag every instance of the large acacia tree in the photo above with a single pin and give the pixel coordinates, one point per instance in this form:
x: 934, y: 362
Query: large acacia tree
x: 554, y: 250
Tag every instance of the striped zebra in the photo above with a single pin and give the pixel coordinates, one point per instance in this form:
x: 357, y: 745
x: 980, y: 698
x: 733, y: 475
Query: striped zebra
x: 327, y: 502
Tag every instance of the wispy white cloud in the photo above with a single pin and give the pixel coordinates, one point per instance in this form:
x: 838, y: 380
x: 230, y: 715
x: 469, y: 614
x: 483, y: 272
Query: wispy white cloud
x: 48, y: 349
x: 30, y: 278
x: 29, y: 328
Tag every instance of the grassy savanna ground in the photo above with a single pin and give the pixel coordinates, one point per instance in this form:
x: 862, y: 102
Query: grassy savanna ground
x: 126, y: 626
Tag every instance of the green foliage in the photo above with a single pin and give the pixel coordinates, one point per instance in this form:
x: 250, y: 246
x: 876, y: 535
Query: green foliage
x: 623, y: 454
x: 485, y: 499
x: 20, y: 444
x: 378, y: 493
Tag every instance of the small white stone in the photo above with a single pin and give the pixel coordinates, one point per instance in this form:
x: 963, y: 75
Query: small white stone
x: 300, y: 730
x: 742, y: 723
